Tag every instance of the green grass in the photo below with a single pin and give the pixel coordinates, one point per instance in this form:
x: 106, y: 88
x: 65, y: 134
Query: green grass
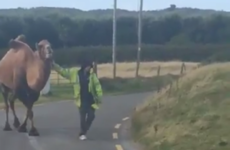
x: 64, y: 91
x: 116, y: 86
x: 191, y: 115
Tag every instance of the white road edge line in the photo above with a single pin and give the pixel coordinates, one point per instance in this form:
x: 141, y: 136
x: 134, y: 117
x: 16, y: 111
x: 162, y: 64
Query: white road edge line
x: 117, y: 126
x: 115, y: 136
x: 32, y: 140
x: 126, y: 118
x: 119, y: 147
x: 34, y: 143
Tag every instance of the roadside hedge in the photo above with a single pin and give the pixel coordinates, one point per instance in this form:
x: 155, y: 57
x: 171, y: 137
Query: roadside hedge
x: 103, y: 54
x: 195, y: 53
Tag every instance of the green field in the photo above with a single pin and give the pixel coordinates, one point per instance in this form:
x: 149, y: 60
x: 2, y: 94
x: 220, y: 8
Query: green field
x: 110, y: 86
x: 127, y: 70
x: 125, y: 81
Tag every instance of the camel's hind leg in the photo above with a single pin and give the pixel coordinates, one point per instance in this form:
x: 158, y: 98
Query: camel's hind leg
x: 34, y: 97
x: 33, y: 131
x: 29, y: 115
x: 16, y: 121
x: 7, y: 125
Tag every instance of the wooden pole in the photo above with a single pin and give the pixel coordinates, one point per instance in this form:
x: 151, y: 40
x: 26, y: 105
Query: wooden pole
x: 139, y: 38
x: 114, y: 38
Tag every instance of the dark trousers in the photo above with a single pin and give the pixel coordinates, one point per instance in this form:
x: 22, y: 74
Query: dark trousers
x: 87, y: 115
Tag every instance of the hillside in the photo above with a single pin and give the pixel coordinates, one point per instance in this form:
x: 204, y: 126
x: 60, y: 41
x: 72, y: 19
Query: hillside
x: 101, y: 14
x: 192, y: 116
x: 83, y: 33
x: 66, y: 27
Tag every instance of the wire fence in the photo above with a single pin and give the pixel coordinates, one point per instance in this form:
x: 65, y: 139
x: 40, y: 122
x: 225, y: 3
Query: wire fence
x: 57, y: 80
x: 155, y: 73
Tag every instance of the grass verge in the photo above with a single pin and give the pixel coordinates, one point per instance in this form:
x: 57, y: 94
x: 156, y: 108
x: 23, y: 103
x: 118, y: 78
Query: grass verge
x: 191, y: 115
x: 110, y: 87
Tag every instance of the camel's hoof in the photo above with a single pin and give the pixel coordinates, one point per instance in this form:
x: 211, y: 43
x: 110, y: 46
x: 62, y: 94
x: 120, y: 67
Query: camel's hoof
x: 7, y: 127
x: 33, y: 132
x: 16, y: 123
x: 22, y: 129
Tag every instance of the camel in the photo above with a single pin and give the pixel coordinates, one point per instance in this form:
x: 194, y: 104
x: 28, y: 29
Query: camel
x: 21, y: 38
x: 23, y: 74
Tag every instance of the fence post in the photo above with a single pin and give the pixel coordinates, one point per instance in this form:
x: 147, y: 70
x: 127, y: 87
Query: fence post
x: 183, y: 67
x: 58, y: 79
x: 158, y: 79
x: 95, y: 67
x: 170, y: 88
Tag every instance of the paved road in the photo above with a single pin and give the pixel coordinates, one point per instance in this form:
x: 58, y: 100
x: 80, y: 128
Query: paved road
x: 58, y: 124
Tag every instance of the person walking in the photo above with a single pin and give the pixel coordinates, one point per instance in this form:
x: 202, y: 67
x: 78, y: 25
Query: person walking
x: 87, y: 92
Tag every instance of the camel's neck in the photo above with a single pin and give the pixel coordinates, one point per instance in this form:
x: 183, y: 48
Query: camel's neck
x: 45, y: 68
x: 38, y: 74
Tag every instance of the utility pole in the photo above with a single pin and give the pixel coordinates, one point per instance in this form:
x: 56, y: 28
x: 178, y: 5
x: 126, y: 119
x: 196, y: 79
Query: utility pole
x: 114, y: 38
x: 139, y: 37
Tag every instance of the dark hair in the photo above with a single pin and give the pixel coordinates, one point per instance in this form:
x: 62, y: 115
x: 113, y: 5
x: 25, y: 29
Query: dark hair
x: 86, y: 63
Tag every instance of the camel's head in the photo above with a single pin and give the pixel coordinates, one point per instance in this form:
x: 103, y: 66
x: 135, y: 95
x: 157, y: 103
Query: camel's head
x: 45, y: 50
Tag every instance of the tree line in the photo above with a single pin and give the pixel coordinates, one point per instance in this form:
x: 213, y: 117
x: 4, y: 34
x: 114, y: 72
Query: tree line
x: 108, y: 13
x: 66, y: 32
x: 192, y: 36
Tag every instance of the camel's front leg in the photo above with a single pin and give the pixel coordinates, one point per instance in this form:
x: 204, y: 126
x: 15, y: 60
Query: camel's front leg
x: 16, y: 121
x: 23, y: 128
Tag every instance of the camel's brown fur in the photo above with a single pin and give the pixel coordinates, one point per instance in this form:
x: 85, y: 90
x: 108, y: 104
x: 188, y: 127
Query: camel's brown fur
x: 18, y: 56
x: 24, y: 73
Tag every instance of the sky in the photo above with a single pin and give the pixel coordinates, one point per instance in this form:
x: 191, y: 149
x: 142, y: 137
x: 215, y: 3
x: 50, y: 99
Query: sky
x: 123, y: 4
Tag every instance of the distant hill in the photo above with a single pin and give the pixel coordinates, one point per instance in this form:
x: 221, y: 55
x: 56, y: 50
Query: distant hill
x: 107, y: 13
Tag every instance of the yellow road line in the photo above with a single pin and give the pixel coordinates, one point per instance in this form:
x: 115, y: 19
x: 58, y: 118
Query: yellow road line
x: 126, y: 118
x: 115, y: 136
x: 117, y: 126
x: 119, y: 147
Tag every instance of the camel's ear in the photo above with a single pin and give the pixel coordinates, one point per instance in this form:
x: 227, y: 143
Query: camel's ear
x: 14, y: 44
x: 38, y: 47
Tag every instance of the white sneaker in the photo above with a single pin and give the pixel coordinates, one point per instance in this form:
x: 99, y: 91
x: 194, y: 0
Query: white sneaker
x: 82, y: 137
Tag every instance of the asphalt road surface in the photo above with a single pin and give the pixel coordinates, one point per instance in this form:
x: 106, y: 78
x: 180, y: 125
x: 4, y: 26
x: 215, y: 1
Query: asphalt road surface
x: 58, y: 124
